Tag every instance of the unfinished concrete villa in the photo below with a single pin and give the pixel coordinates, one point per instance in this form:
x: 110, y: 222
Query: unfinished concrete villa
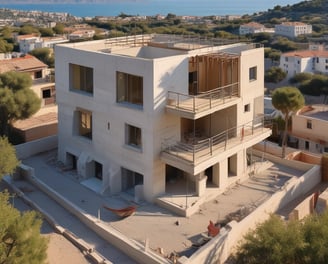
x: 159, y: 117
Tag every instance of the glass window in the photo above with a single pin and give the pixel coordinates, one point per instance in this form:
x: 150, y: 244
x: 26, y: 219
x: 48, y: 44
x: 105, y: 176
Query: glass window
x: 81, y: 78
x: 129, y: 88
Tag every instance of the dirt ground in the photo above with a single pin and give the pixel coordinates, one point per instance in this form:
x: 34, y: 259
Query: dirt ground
x: 61, y: 251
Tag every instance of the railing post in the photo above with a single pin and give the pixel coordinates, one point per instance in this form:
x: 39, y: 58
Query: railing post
x: 211, y: 101
x: 178, y: 100
x: 193, y: 104
x: 193, y: 154
x: 211, y: 145
x: 226, y: 140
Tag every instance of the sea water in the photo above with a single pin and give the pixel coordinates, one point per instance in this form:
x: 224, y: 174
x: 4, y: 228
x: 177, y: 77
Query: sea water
x: 154, y: 7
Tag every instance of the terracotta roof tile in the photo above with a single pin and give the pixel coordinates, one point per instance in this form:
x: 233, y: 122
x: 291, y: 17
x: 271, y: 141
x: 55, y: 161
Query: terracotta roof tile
x: 307, y: 53
x: 22, y: 64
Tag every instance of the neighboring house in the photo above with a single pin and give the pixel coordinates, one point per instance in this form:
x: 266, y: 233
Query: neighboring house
x: 157, y: 115
x: 50, y: 42
x: 293, y: 29
x: 252, y: 28
x: 310, y: 128
x: 43, y: 85
x: 311, y: 61
x: 81, y: 34
x: 28, y: 43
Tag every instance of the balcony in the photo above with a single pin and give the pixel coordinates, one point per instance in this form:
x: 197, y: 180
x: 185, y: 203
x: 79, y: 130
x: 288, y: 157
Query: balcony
x: 197, y: 106
x: 199, y: 154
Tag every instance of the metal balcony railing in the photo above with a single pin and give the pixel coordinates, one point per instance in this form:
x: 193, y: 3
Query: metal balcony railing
x: 202, y: 101
x: 196, y: 150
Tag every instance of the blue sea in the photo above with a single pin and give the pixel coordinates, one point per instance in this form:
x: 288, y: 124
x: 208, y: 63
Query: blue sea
x: 153, y: 7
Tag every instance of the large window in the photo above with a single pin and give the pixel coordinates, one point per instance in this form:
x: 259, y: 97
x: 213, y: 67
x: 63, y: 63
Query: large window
x: 133, y: 136
x: 84, y: 123
x: 253, y: 73
x: 129, y: 88
x: 81, y: 78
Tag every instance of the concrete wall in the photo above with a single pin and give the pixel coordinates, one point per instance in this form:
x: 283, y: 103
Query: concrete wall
x: 220, y: 247
x: 38, y: 132
x: 250, y: 89
x: 271, y: 148
x: 303, y: 209
x: 108, y: 145
x: 31, y: 148
x: 305, y: 157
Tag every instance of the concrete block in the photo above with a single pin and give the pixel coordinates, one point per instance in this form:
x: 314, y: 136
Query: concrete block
x: 182, y: 260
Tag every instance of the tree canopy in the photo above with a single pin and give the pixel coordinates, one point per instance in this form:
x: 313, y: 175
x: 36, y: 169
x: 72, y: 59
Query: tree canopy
x: 288, y: 100
x: 8, y: 159
x: 20, y: 239
x: 5, y: 46
x: 17, y: 100
x: 275, y: 75
x: 45, y: 55
x: 280, y: 242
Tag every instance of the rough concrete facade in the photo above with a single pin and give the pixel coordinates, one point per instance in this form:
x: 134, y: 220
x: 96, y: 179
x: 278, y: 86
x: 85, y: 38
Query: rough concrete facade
x: 171, y: 142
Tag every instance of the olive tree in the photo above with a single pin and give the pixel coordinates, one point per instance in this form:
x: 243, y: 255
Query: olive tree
x: 20, y: 238
x: 280, y: 242
x: 17, y: 100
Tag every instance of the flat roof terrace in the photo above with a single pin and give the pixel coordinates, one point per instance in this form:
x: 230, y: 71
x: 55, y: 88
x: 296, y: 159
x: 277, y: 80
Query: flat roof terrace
x: 153, y: 46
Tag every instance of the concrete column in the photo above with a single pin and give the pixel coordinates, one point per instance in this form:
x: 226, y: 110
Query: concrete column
x: 241, y: 159
x: 223, y: 172
x: 216, y: 174
x: 200, y: 181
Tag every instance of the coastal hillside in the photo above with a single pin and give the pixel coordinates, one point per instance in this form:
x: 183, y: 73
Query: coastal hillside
x: 306, y: 11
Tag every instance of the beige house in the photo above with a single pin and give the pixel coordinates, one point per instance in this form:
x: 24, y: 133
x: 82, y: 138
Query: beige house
x: 159, y: 117
x: 310, y: 127
x: 44, y: 123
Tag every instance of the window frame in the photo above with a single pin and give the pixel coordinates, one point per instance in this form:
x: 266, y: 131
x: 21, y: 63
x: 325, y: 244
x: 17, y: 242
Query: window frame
x: 247, y: 108
x: 133, y: 136
x: 86, y: 115
x: 81, y: 79
x: 252, y: 73
x: 129, y: 89
x: 309, y: 124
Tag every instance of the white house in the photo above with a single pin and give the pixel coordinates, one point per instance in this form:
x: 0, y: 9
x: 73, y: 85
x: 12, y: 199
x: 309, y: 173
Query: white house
x: 253, y: 27
x: 149, y: 115
x: 293, y: 29
x: 28, y: 43
x: 312, y: 61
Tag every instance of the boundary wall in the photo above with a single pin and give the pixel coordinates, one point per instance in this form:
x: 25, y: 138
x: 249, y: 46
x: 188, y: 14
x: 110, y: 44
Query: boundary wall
x: 219, y: 248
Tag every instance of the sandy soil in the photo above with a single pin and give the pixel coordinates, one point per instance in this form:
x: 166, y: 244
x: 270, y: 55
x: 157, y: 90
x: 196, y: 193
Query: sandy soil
x: 61, y: 251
